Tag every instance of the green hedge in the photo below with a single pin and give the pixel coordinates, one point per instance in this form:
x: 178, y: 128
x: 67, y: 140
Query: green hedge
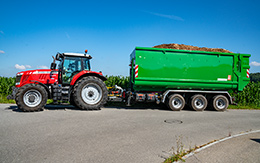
x: 117, y: 80
x: 250, y: 96
x: 6, y: 85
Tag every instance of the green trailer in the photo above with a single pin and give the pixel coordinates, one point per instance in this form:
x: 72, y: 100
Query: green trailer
x: 179, y: 77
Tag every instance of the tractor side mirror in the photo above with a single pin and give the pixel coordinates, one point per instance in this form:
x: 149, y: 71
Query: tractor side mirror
x: 53, y: 66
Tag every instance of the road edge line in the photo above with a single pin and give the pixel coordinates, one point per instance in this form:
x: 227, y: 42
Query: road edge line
x: 216, y: 142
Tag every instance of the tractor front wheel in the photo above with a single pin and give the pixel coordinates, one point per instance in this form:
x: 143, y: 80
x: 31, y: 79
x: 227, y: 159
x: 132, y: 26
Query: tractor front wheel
x: 31, y: 97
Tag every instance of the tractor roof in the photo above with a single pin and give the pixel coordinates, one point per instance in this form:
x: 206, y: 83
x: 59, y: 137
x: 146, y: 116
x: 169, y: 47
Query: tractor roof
x: 77, y: 55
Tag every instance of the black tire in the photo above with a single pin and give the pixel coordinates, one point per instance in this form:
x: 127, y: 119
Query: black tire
x: 90, y: 93
x: 176, y: 102
x: 72, y: 102
x: 198, y: 102
x: 220, y: 103
x: 31, y: 97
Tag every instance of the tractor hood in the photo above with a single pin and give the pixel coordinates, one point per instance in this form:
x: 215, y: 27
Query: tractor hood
x: 44, y: 76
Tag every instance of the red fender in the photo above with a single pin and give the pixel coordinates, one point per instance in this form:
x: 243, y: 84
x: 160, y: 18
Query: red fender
x: 87, y: 73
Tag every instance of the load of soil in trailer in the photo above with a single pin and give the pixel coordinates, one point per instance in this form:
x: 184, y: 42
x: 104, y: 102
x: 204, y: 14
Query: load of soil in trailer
x: 189, y: 47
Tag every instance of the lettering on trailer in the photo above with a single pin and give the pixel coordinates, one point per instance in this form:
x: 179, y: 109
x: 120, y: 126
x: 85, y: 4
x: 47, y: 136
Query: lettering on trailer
x: 136, y: 71
x: 247, y: 73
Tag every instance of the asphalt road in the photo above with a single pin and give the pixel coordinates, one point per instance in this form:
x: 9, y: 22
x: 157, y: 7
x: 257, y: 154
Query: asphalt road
x: 112, y: 135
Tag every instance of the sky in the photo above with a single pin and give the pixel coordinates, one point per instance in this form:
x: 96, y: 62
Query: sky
x: 32, y: 31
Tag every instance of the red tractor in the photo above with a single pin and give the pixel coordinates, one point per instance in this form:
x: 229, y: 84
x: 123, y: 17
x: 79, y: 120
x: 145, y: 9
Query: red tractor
x: 73, y: 81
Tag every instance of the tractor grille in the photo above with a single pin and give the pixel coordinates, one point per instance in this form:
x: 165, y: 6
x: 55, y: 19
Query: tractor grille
x: 42, y: 77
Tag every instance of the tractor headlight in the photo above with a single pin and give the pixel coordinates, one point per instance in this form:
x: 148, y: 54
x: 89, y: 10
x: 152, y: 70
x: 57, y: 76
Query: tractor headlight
x: 18, y: 78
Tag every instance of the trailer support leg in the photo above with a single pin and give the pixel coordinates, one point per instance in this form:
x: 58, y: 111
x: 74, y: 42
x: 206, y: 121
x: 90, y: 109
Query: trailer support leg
x: 129, y: 97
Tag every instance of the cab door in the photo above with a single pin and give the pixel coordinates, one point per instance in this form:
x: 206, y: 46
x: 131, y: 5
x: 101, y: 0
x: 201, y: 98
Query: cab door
x: 71, y: 67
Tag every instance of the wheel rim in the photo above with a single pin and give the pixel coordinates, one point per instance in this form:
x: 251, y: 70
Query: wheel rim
x: 32, y: 98
x: 220, y: 103
x: 177, y: 103
x: 91, y: 94
x: 199, y: 103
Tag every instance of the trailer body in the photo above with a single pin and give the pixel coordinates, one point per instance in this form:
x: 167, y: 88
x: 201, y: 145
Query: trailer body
x: 179, y: 77
x: 155, y: 69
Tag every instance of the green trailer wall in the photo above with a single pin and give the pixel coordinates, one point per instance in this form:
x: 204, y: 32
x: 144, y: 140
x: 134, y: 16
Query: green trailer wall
x: 163, y: 69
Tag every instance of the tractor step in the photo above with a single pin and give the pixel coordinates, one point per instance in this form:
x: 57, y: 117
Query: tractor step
x: 60, y: 93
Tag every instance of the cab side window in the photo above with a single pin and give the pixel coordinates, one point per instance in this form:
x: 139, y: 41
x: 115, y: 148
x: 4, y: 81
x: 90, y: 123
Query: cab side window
x: 86, y: 65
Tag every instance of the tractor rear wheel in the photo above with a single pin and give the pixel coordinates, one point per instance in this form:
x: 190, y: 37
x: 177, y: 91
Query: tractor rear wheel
x: 31, y: 97
x: 90, y: 93
x: 72, y: 102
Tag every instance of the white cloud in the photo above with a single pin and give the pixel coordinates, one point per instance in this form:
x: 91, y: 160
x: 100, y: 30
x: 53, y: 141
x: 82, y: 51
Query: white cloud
x: 20, y: 67
x: 28, y: 66
x: 2, y: 52
x: 2, y: 32
x: 43, y: 67
x: 174, y: 17
x: 254, y: 63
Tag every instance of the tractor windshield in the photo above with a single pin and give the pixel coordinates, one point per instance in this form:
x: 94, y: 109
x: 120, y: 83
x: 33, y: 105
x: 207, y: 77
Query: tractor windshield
x: 69, y: 66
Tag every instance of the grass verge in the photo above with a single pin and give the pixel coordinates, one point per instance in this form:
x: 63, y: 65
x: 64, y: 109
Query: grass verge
x: 178, y: 151
x: 3, y: 100
x: 248, y: 107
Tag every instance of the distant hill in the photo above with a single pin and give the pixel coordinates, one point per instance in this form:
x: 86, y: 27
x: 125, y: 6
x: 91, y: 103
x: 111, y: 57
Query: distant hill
x: 255, y: 77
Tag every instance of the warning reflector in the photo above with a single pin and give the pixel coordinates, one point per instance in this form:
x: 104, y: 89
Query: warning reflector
x: 247, y: 73
x: 136, y: 71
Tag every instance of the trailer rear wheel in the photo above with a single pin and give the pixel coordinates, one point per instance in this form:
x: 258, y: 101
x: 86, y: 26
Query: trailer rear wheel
x: 199, y: 102
x: 220, y: 103
x: 31, y: 97
x: 176, y: 102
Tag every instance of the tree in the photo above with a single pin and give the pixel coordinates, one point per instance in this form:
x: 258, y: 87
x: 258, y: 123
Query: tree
x: 255, y: 77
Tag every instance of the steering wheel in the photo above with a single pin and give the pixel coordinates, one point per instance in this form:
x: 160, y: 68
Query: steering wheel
x: 72, y: 66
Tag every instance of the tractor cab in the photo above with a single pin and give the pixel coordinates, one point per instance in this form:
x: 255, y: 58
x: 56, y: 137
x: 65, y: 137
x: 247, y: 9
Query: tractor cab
x: 70, y: 64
